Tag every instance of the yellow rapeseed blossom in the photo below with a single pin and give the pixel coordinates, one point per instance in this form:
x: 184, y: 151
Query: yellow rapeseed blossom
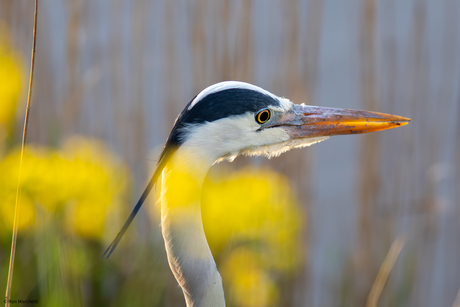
x: 76, y: 184
x: 10, y: 81
x: 26, y: 218
x: 252, y: 223
x: 250, y: 285
x: 253, y: 204
x: 97, y: 178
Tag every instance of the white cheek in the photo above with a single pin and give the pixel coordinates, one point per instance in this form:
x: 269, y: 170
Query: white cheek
x: 228, y: 137
x: 265, y: 137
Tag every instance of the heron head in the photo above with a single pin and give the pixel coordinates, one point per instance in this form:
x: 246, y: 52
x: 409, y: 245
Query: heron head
x: 232, y: 118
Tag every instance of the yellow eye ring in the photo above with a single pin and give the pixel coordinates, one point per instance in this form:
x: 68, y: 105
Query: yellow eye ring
x: 263, y: 116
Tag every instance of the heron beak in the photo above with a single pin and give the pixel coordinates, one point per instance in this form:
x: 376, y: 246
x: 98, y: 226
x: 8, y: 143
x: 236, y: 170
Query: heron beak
x: 311, y: 121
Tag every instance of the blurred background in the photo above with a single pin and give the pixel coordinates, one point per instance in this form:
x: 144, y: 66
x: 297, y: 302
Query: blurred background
x: 310, y: 228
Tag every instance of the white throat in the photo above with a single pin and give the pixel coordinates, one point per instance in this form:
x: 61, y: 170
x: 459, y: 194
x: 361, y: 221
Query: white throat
x: 188, y: 252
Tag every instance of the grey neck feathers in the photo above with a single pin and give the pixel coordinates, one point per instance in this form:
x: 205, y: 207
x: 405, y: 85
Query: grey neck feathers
x: 188, y: 252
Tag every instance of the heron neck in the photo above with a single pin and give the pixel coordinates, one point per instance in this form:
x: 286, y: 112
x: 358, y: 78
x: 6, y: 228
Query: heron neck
x: 188, y: 252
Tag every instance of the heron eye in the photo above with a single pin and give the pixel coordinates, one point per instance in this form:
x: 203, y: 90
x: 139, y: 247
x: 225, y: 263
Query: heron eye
x: 263, y: 116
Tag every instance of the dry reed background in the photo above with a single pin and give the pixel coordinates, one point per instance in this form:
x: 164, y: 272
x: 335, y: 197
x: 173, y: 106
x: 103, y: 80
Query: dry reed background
x: 122, y: 70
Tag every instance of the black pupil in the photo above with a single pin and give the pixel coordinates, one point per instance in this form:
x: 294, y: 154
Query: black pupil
x: 263, y: 116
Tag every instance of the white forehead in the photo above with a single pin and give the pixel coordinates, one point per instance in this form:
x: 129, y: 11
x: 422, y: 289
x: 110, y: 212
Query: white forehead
x: 221, y: 86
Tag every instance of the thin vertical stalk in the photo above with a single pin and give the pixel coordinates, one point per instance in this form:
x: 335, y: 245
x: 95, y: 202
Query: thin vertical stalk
x: 24, y: 140
x: 384, y: 272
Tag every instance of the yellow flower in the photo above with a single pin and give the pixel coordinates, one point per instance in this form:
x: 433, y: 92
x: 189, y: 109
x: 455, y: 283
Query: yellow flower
x: 253, y: 205
x: 250, y: 285
x: 253, y: 224
x: 26, y: 216
x: 79, y: 183
x: 10, y: 80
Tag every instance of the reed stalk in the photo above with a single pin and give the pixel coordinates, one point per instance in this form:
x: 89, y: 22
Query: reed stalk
x: 18, y: 190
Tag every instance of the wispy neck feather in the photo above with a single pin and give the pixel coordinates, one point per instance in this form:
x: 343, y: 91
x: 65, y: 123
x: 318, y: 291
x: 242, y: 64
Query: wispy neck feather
x: 188, y: 252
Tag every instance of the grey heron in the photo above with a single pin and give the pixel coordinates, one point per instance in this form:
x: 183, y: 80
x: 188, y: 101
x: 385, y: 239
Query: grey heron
x: 223, y: 121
